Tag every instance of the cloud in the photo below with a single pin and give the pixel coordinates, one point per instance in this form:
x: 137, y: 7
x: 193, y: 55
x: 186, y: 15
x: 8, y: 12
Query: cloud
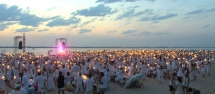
x: 185, y: 18
x: 99, y: 10
x: 127, y: 14
x: 131, y: 0
x: 75, y: 26
x: 146, y: 33
x: 42, y: 30
x: 131, y: 13
x: 155, y: 22
x: 151, y: 0
x: 14, y: 13
x: 160, y: 33
x: 87, y: 22
x: 146, y: 11
x: 152, y: 33
x: 31, y: 20
x: 206, y: 26
x: 58, y: 21
x: 111, y: 31
x: 157, y: 17
x: 129, y: 31
x: 108, y: 1
x: 133, y: 7
x: 200, y: 11
x: 51, y: 8
x: 82, y: 31
x: 195, y: 12
x: 25, y: 29
x: 114, y: 1
x: 5, y: 25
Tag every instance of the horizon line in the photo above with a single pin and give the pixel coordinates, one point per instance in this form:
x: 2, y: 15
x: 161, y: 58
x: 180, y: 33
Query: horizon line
x: 104, y: 47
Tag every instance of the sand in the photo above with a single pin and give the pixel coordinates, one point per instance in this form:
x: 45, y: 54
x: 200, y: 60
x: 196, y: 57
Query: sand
x: 151, y: 86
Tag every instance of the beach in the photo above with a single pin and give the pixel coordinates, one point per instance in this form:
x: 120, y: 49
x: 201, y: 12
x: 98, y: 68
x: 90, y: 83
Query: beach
x: 151, y: 86
x: 98, y: 62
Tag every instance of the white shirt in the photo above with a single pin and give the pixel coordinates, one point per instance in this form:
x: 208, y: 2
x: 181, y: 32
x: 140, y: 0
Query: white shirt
x: 40, y: 81
x: 89, y: 84
x: 107, y: 74
x: 21, y: 91
x: 104, y: 81
x: 64, y: 71
x: 75, y: 68
x: 25, y: 81
x: 79, y: 80
x: 104, y: 71
x: 143, y: 68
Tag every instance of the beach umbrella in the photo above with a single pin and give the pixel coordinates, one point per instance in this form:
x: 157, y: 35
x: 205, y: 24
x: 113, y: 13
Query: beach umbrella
x: 133, y: 79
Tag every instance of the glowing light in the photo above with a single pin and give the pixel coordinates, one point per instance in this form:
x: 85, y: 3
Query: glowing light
x: 60, y: 50
x: 84, y: 77
x: 61, y: 47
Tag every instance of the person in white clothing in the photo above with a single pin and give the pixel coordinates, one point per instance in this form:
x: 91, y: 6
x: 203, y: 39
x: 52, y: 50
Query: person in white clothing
x: 79, y: 84
x: 143, y: 70
x: 51, y: 84
x: 25, y: 81
x: 18, y: 89
x: 178, y: 86
x: 186, y: 82
x: 64, y: 70
x: 75, y: 70
x: 89, y: 85
x: 119, y: 76
x: 40, y: 82
x: 103, y: 83
x: 68, y: 78
x: 107, y: 74
x: 161, y: 74
x: 16, y: 74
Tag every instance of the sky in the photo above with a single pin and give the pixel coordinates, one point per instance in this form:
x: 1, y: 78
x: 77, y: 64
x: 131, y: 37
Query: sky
x: 122, y: 23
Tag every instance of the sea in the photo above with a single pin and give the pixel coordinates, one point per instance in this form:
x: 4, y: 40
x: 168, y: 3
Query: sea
x: 44, y: 51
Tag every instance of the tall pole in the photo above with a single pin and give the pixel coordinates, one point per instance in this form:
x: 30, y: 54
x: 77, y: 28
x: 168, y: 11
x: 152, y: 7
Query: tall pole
x: 56, y: 46
x: 14, y: 45
x: 66, y: 45
x: 24, y: 43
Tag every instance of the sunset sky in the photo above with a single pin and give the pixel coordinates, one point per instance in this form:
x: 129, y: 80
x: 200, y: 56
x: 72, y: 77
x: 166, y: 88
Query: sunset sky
x: 133, y: 23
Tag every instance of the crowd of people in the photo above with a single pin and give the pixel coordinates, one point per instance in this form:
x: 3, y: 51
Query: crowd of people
x: 90, y: 72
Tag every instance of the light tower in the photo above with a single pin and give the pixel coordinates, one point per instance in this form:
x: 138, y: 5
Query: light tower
x: 24, y: 42
x: 21, y: 40
x: 61, y: 45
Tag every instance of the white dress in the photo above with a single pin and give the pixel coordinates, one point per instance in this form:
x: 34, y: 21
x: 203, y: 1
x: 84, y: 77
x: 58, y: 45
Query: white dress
x: 45, y: 75
x: 191, y: 74
x: 56, y: 74
x: 16, y: 74
x: 185, y: 82
x: 51, y: 84
x: 8, y: 74
x: 179, y: 89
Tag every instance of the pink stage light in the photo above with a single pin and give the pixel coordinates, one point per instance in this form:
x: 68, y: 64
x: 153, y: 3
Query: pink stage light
x: 60, y: 51
x: 60, y: 47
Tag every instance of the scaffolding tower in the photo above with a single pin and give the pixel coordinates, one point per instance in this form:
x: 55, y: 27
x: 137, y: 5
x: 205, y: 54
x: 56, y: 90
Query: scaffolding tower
x: 60, y: 40
x: 16, y: 40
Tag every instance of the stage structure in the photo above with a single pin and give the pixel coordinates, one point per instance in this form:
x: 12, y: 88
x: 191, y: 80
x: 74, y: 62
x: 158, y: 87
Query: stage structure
x: 19, y: 43
x: 61, y: 45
